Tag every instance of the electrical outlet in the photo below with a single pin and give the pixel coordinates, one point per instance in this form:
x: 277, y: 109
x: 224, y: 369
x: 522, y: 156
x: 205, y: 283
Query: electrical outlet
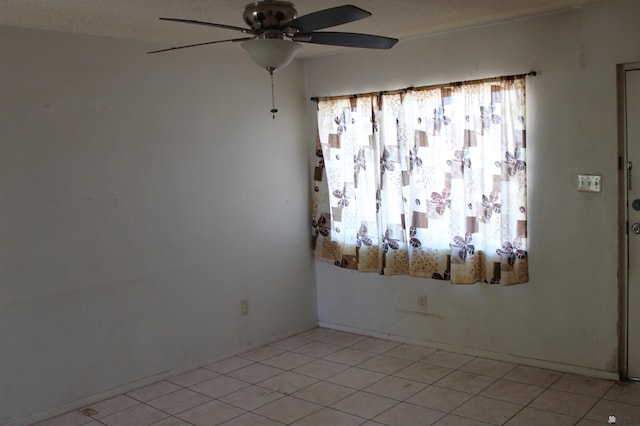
x: 589, y: 183
x: 422, y: 302
x: 244, y: 307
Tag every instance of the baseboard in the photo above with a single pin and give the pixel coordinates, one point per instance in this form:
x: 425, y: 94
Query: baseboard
x: 567, y: 368
x: 84, y: 402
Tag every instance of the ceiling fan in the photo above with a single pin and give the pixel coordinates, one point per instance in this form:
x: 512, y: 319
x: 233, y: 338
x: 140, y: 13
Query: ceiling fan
x: 275, y: 30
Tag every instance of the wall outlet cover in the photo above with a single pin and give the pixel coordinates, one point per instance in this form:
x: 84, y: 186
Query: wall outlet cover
x: 589, y: 183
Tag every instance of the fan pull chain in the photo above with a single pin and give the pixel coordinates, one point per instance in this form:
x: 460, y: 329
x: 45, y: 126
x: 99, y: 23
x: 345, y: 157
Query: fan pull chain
x: 273, y: 96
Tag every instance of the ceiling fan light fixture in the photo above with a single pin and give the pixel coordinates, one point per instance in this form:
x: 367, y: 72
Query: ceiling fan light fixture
x: 271, y: 53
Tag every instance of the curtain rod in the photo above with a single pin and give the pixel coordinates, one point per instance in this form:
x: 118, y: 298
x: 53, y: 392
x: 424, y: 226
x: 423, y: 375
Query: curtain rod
x: 455, y: 83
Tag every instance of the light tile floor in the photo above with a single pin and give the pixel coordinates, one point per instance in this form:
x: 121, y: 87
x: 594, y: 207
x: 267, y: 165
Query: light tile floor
x: 332, y: 378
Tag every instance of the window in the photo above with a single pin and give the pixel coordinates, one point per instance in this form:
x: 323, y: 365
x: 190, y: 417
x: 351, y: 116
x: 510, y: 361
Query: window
x: 427, y: 182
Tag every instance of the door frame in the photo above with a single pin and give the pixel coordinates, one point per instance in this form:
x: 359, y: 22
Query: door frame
x: 623, y: 229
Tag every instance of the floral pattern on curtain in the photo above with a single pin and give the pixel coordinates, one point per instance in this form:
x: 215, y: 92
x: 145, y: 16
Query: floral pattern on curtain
x: 426, y: 182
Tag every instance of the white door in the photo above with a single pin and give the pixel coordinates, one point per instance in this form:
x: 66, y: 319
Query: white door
x: 632, y: 120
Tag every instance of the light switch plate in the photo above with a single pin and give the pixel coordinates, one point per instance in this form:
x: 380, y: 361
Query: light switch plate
x: 589, y: 183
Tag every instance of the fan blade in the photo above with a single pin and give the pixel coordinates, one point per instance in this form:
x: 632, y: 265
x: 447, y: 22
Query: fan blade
x: 347, y: 39
x: 200, y: 44
x: 209, y: 24
x: 327, y: 18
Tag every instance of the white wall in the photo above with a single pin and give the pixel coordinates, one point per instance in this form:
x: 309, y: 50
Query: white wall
x: 567, y: 315
x: 141, y: 198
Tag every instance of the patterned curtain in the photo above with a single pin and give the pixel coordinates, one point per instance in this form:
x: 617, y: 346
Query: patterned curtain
x: 426, y: 182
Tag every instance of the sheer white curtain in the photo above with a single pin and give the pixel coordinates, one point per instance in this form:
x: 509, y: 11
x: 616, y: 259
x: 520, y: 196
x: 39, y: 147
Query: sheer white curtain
x: 427, y: 182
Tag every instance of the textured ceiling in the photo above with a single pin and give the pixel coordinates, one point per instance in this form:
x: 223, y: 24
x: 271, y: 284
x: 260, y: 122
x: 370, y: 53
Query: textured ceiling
x: 138, y: 19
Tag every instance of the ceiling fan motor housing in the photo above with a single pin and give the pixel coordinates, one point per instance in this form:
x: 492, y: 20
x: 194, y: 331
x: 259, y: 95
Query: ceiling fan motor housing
x: 269, y: 15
